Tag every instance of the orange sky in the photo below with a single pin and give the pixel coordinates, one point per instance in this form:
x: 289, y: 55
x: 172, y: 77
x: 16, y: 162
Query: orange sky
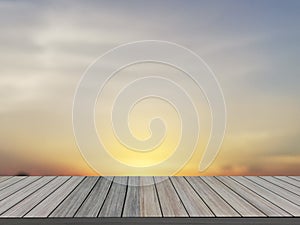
x: 45, y: 48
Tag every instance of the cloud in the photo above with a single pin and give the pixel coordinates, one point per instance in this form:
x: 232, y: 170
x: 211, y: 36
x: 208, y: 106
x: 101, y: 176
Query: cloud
x: 46, y: 46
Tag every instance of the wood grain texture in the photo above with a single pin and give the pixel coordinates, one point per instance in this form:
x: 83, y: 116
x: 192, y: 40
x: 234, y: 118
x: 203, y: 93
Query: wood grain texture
x: 69, y: 206
x: 237, y: 202
x: 93, y: 203
x: 132, y: 201
x: 5, y: 192
x: 149, y: 203
x: 9, y: 182
x: 295, y: 177
x: 3, y: 178
x: 289, y: 180
x: 149, y: 196
x: 282, y: 184
x: 170, y: 202
x: 113, y: 205
x: 276, y: 189
x: 272, y: 197
x: 45, y: 207
x: 32, y: 200
x: 23, y: 193
x: 252, y: 197
x: 217, y: 204
x: 194, y: 205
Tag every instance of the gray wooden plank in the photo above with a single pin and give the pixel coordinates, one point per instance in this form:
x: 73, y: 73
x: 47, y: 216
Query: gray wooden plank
x: 132, y: 201
x: 236, y: 201
x: 4, y: 193
x: 93, y: 203
x: 113, y: 204
x: 69, y: 206
x: 295, y: 177
x: 3, y: 178
x: 194, y: 205
x: 282, y: 184
x: 170, y: 202
x: 194, y: 196
x: 276, y: 189
x: 18, y: 196
x: 45, y: 207
x: 32, y: 200
x: 149, y: 203
x: 289, y: 180
x: 272, y: 197
x: 218, y: 206
x: 259, y: 202
x: 9, y: 182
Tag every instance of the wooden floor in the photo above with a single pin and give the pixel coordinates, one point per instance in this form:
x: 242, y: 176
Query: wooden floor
x: 173, y: 197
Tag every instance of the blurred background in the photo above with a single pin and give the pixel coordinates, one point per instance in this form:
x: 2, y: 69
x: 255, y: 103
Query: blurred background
x: 252, y: 46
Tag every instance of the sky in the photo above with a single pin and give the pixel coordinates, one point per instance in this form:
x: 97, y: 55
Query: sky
x: 252, y: 46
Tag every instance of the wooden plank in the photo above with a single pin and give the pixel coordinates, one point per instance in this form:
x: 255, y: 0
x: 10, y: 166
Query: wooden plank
x: 93, y: 203
x: 132, y: 201
x: 295, y: 177
x: 3, y: 178
x: 9, y: 182
x: 114, y: 202
x: 69, y: 206
x: 218, y: 206
x: 270, y: 196
x: 149, y: 203
x: 276, y: 189
x: 194, y: 205
x: 283, y: 184
x: 289, y: 180
x: 4, y: 193
x: 170, y: 202
x: 13, y: 199
x: 259, y: 202
x: 175, y: 196
x: 232, y: 198
x: 45, y: 207
x: 32, y: 200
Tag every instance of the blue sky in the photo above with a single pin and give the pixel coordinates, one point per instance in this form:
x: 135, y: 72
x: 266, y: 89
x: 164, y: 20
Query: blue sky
x: 252, y: 46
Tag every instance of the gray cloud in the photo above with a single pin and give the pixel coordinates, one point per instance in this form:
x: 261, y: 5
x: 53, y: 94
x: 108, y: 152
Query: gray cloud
x: 252, y: 47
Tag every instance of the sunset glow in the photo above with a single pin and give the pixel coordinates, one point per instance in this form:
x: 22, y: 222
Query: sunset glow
x: 252, y: 47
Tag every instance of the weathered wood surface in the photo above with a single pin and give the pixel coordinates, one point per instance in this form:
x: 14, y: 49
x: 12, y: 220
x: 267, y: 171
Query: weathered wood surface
x: 149, y: 196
